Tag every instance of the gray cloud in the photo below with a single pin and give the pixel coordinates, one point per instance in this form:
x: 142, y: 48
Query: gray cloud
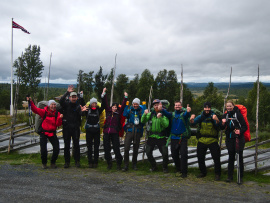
x: 207, y: 37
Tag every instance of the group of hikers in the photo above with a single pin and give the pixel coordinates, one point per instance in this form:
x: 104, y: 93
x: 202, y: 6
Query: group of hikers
x: 158, y: 120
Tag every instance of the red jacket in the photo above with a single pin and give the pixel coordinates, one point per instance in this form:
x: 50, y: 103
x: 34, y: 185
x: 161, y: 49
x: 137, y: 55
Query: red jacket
x: 50, y: 123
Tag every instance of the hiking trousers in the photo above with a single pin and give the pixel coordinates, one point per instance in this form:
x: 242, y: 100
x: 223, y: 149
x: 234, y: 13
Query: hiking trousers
x: 179, y: 148
x: 73, y: 132
x: 114, y: 139
x: 215, y: 153
x: 43, y: 148
x: 93, y: 138
x: 132, y: 137
x: 161, y: 144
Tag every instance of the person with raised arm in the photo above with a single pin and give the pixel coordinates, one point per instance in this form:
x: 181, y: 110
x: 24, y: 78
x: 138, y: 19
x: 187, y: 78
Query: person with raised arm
x: 111, y: 129
x: 51, y: 119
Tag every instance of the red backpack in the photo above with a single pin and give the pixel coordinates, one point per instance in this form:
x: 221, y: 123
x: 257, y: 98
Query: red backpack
x: 243, y: 111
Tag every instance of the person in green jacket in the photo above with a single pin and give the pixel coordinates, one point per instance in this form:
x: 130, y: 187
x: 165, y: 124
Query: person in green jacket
x: 157, y: 136
x: 208, y: 139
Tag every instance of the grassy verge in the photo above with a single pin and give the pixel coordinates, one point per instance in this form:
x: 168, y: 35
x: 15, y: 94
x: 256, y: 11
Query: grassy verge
x: 143, y: 168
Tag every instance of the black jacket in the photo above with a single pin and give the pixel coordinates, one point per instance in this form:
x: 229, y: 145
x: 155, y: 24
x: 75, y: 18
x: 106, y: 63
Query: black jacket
x: 234, y: 120
x: 71, y: 112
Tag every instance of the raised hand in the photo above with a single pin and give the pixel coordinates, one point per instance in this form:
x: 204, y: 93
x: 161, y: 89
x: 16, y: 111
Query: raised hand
x: 70, y: 88
x: 126, y: 94
x: 104, y: 90
x: 223, y: 121
x: 188, y: 108
x: 28, y: 98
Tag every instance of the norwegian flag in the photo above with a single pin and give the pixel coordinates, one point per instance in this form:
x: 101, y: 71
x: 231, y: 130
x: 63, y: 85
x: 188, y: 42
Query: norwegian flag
x: 15, y: 25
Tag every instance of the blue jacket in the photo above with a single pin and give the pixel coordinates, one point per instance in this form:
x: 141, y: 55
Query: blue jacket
x: 177, y: 125
x: 130, y: 113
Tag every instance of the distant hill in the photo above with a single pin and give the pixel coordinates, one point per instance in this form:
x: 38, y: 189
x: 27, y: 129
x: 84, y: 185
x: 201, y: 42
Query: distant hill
x: 56, y: 85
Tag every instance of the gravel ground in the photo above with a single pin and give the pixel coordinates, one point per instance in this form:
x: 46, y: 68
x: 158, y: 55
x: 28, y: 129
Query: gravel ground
x: 30, y: 183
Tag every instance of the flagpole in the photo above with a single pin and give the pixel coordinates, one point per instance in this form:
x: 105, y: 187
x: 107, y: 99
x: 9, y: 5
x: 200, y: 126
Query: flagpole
x: 11, y: 82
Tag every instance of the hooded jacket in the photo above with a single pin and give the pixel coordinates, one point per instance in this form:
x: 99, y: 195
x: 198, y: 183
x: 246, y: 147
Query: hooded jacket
x: 50, y: 123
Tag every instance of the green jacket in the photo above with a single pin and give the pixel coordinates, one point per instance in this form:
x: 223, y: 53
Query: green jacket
x: 157, y: 126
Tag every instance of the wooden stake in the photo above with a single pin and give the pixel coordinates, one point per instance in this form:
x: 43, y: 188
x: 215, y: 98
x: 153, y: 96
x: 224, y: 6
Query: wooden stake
x: 257, y: 122
x: 225, y: 98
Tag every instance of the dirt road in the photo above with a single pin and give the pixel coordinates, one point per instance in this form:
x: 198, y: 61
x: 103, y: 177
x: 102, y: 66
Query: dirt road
x: 30, y: 183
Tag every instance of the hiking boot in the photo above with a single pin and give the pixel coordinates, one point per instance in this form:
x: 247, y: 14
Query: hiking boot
x: 77, y: 164
x: 153, y: 169
x: 229, y: 179
x: 184, y: 175
x: 201, y: 175
x: 165, y: 170
x: 66, y: 165
x: 134, y: 166
x: 91, y: 165
x: 109, y: 166
x: 44, y: 166
x: 119, y: 168
x: 217, y: 178
x: 53, y: 166
x: 125, y: 168
x: 95, y: 165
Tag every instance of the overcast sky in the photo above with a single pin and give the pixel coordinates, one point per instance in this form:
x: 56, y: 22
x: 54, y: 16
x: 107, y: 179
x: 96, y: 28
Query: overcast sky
x: 207, y: 36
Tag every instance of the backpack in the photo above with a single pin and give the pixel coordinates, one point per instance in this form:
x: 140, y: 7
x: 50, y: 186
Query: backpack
x: 243, y: 111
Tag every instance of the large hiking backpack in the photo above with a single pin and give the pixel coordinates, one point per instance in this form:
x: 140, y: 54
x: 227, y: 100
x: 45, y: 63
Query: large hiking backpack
x: 243, y: 111
x: 38, y: 119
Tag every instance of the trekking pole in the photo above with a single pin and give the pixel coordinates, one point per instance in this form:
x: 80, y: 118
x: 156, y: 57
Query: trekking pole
x: 30, y: 118
x: 237, y: 160
x: 147, y: 124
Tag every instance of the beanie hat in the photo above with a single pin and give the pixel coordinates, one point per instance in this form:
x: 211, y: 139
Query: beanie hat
x: 207, y: 104
x: 93, y: 100
x: 136, y: 100
x: 50, y: 102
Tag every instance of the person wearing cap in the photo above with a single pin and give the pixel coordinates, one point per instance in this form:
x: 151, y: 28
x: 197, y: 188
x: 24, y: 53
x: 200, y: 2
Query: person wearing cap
x: 134, y: 132
x: 47, y: 130
x: 179, y: 135
x: 207, y: 139
x: 111, y: 129
x: 71, y: 125
x: 92, y: 127
x: 157, y: 135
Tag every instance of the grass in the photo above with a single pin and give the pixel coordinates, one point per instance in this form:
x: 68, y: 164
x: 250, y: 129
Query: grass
x: 15, y: 158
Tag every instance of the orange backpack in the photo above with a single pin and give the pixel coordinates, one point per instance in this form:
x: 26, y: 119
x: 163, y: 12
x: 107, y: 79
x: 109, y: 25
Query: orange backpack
x: 243, y: 111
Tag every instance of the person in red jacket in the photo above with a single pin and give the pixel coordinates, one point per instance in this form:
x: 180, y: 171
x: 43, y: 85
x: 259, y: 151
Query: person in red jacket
x: 47, y: 130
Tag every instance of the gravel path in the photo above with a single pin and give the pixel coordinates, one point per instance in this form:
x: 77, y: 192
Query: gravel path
x: 30, y: 183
